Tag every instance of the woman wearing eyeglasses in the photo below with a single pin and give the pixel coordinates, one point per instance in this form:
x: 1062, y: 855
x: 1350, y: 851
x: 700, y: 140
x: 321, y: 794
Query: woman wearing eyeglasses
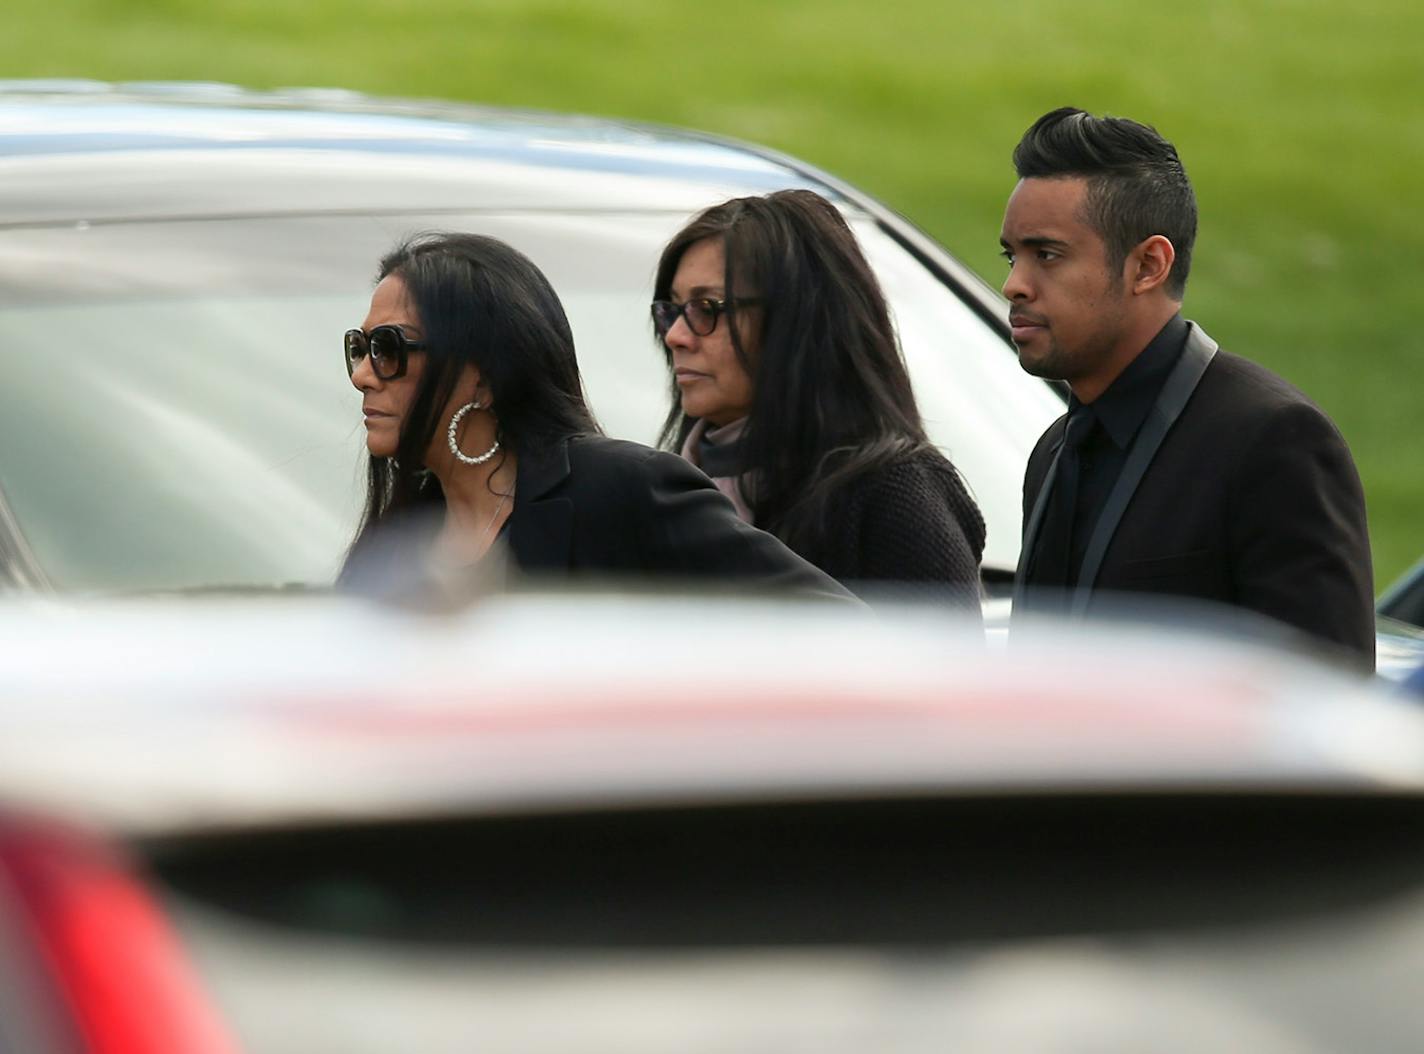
x: 477, y: 430
x: 790, y: 392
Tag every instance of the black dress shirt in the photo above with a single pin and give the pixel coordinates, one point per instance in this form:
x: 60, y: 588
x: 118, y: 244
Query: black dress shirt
x: 1118, y: 416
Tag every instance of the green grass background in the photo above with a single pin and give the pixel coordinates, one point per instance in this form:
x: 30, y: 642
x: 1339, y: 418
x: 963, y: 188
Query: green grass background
x: 1301, y: 123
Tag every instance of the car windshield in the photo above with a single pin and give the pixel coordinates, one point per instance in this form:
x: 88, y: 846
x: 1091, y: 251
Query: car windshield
x: 175, y: 413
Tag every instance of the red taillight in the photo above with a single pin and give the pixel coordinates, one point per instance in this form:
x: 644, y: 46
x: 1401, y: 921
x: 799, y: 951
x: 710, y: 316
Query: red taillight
x: 112, y: 954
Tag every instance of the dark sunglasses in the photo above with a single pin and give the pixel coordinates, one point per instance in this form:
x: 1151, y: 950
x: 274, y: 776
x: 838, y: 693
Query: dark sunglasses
x: 701, y: 313
x: 387, y: 346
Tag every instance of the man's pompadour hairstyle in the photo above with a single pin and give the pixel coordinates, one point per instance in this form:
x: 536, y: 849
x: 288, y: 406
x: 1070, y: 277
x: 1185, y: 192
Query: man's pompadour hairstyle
x: 1137, y: 186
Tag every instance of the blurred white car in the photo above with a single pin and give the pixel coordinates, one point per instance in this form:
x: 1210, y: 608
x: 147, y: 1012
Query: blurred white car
x: 547, y: 824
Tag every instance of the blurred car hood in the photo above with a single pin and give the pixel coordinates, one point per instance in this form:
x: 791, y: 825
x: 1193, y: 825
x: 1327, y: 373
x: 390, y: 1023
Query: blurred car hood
x: 154, y: 716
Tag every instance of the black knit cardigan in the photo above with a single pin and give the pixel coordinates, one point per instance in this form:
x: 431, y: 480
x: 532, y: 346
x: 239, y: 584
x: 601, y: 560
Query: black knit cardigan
x: 909, y: 528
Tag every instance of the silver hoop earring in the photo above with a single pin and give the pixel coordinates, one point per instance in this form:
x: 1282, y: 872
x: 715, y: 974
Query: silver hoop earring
x: 455, y: 447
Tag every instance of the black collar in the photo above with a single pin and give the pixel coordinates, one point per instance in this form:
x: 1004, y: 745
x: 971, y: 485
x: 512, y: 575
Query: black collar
x: 541, y: 470
x: 1125, y: 405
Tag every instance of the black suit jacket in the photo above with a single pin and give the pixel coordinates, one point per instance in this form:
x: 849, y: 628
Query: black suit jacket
x: 606, y: 509
x: 1252, y: 499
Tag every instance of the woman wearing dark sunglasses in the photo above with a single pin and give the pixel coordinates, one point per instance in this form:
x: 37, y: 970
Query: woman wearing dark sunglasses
x: 790, y: 391
x: 477, y: 430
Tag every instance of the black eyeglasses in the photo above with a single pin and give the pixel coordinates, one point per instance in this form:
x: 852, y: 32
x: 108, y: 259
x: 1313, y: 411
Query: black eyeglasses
x: 701, y: 313
x: 387, y: 346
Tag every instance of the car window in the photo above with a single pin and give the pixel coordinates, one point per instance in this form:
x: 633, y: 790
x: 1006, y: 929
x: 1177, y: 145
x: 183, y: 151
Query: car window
x: 176, y: 415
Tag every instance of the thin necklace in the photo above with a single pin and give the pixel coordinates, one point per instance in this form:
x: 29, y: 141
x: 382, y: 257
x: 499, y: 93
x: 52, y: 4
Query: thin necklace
x: 484, y: 535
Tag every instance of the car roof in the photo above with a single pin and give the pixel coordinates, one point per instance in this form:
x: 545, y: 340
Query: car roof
x: 331, y: 151
x: 220, y: 712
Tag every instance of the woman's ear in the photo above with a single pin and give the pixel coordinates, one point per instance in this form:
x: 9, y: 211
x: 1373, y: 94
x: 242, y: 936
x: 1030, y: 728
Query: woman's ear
x: 471, y: 387
x: 482, y: 391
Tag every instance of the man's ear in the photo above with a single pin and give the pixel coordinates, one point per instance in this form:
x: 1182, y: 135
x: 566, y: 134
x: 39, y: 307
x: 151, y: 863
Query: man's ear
x: 1149, y: 265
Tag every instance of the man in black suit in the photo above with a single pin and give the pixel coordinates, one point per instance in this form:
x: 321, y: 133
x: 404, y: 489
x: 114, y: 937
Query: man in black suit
x: 1179, y: 468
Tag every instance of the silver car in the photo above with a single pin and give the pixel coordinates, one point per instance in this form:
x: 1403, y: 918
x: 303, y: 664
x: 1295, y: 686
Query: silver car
x: 177, y: 265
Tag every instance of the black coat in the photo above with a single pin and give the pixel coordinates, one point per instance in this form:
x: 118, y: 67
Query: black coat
x: 1251, y: 500
x: 613, y: 507
x: 910, y: 528
x: 606, y: 509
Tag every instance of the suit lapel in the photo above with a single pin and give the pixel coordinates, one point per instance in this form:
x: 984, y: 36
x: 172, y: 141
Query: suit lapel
x: 1178, y: 389
x: 1035, y: 519
x: 541, y: 526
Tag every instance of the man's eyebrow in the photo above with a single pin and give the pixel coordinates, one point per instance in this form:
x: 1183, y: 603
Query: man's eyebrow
x: 1038, y: 241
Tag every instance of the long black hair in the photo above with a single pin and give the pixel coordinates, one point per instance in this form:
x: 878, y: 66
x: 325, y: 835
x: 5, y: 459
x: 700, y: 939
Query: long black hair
x: 831, y: 397
x: 480, y: 303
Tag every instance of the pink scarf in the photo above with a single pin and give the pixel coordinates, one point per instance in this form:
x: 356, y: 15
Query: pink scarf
x: 728, y: 433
